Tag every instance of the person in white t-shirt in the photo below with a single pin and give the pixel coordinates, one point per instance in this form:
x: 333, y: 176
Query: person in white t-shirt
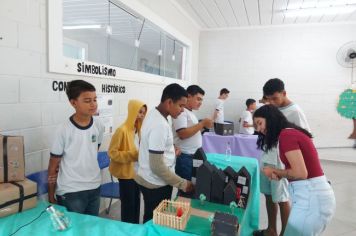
x: 276, y: 191
x: 157, y: 156
x: 246, y: 121
x: 74, y: 154
x: 218, y: 115
x: 187, y: 133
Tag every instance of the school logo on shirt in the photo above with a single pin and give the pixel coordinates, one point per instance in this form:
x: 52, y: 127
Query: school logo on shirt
x: 93, y: 138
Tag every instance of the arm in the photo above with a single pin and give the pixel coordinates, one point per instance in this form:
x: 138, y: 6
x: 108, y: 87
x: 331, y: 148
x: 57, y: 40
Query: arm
x: 246, y: 124
x: 53, y: 167
x: 298, y: 170
x: 121, y: 156
x: 190, y: 131
x: 161, y: 170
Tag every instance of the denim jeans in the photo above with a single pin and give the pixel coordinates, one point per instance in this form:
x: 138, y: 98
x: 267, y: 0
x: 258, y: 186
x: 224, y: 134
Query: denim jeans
x: 184, y: 166
x: 313, y: 206
x: 84, y: 202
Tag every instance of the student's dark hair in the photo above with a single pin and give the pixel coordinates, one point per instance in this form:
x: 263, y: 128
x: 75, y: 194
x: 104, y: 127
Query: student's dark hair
x: 76, y: 87
x: 250, y: 101
x: 275, y: 122
x: 174, y: 92
x: 224, y: 91
x: 194, y: 90
x: 272, y: 86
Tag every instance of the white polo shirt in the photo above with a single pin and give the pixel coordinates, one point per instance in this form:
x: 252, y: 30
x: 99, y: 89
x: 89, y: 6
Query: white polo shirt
x: 246, y: 116
x: 295, y: 114
x: 219, y: 106
x: 156, y: 137
x: 78, y: 148
x: 185, y: 120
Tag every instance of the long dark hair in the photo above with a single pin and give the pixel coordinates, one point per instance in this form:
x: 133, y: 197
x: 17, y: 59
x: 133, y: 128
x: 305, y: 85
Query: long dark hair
x: 275, y: 122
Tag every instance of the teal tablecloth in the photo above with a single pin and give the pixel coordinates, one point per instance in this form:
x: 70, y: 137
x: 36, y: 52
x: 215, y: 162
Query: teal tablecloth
x: 82, y: 225
x: 250, y: 219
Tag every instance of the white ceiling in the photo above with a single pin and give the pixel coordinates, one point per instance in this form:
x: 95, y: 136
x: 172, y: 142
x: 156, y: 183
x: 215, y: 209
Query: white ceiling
x: 211, y: 14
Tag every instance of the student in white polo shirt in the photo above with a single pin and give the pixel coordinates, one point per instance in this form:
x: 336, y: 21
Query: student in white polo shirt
x: 218, y: 115
x: 246, y: 121
x: 74, y: 154
x: 187, y: 135
x: 157, y: 155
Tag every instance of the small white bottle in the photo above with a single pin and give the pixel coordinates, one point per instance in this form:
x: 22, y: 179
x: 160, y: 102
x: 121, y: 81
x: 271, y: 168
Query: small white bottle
x: 228, y: 151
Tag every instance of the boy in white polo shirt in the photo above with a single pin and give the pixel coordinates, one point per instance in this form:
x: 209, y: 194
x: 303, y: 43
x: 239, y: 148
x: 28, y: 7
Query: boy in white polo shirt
x: 187, y: 135
x: 218, y: 115
x: 246, y: 121
x: 276, y: 191
x: 157, y: 157
x: 74, y: 154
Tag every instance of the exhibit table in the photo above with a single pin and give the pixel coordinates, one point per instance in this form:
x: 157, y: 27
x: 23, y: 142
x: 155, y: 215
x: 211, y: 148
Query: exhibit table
x: 80, y: 225
x: 240, y: 144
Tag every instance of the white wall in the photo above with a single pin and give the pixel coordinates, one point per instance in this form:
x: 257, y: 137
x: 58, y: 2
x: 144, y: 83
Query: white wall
x: 28, y: 105
x: 303, y: 56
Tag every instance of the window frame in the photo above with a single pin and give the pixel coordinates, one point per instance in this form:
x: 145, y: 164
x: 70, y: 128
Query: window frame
x: 58, y: 63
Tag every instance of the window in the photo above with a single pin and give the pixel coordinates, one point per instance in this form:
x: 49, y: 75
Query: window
x: 109, y: 33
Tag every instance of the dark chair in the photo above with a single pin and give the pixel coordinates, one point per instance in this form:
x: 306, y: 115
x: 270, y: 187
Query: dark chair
x: 41, y: 178
x: 111, y: 189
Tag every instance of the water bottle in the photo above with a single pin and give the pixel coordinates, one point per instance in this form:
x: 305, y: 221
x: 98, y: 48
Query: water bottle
x: 228, y: 152
x: 60, y: 222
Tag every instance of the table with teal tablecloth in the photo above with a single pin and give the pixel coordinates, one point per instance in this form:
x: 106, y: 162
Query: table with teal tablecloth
x: 81, y: 225
x: 249, y: 221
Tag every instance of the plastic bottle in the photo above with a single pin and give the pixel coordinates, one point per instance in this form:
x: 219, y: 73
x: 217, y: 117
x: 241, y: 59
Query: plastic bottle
x: 59, y: 221
x: 228, y: 152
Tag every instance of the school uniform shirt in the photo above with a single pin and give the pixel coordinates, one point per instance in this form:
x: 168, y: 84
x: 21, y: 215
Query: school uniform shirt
x: 219, y: 106
x: 77, y: 146
x: 295, y: 114
x: 246, y: 116
x: 157, y: 138
x: 185, y: 120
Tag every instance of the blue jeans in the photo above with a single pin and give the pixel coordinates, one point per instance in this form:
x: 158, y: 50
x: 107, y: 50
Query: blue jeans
x: 313, y: 206
x: 184, y: 166
x: 84, y: 202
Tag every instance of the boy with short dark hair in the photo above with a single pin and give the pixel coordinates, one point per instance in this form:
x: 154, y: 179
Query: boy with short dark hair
x: 276, y: 191
x: 187, y: 133
x: 157, y: 155
x: 246, y: 121
x: 74, y: 154
x: 218, y: 115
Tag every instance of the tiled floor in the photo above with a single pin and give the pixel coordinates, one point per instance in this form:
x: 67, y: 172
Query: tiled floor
x: 343, y: 178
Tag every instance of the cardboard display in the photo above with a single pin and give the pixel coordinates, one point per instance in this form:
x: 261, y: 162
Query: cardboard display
x: 17, y: 196
x: 12, y: 163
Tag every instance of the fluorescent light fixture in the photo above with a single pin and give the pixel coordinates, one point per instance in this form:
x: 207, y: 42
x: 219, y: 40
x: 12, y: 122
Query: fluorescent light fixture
x: 332, y: 10
x: 137, y: 43
x: 173, y: 57
x: 73, y: 27
x: 108, y: 30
